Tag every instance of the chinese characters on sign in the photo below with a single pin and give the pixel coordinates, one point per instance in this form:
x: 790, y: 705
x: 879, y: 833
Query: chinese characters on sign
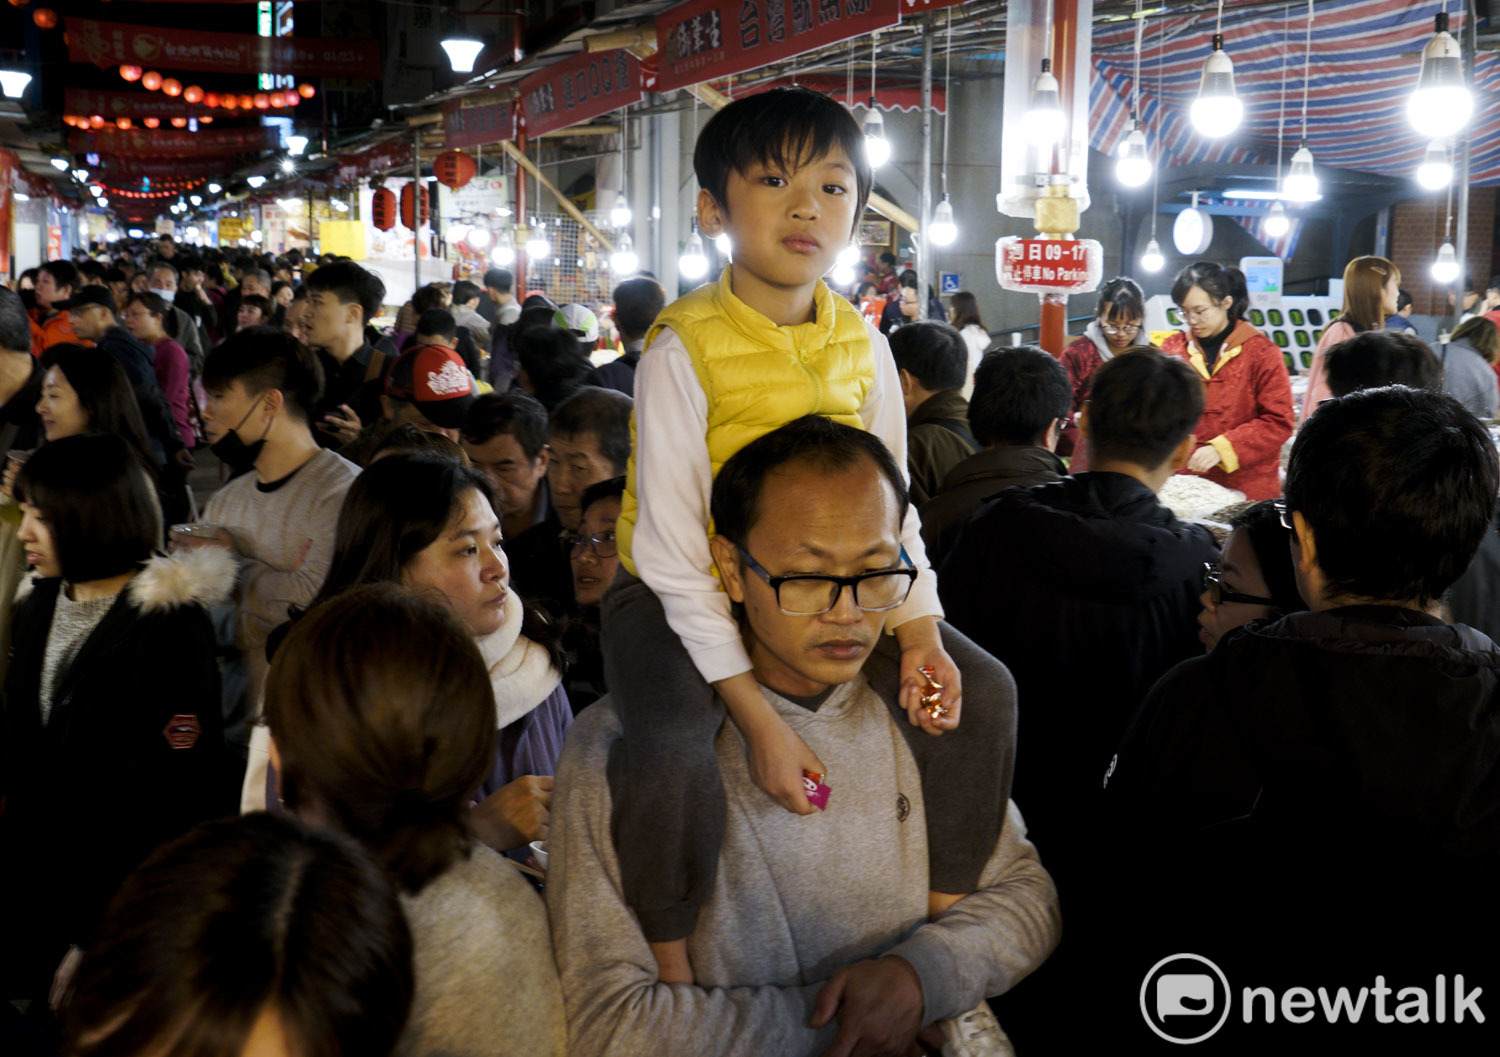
x: 475, y: 126
x: 579, y: 88
x: 1045, y: 266
x: 702, y: 40
x: 114, y: 43
x: 154, y: 143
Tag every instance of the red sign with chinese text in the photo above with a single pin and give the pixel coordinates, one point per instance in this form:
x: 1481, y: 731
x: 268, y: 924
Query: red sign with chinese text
x: 476, y: 126
x: 162, y: 143
x: 1048, y: 265
x: 123, y: 170
x: 579, y: 88
x: 114, y: 43
x: 703, y: 40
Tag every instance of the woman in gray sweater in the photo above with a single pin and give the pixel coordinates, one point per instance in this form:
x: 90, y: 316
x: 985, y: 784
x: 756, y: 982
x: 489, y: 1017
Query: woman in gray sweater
x: 1469, y: 366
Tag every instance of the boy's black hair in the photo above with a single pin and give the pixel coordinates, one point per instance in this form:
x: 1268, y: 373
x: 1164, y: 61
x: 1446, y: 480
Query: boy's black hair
x: 612, y: 488
x: 464, y: 292
x: 1373, y: 358
x: 1141, y: 407
x: 1271, y: 542
x: 909, y: 279
x: 553, y: 360
x: 93, y: 270
x: 604, y: 413
x: 888, y: 258
x: 734, y: 504
x: 1218, y: 282
x: 351, y: 284
x: 1018, y: 393
x: 514, y: 412
x: 99, y: 501
x: 1398, y: 486
x: 638, y: 302
x: 437, y: 323
x: 499, y: 279
x: 63, y: 273
x: 933, y: 353
x: 784, y: 129
x: 265, y: 357
x: 1402, y: 300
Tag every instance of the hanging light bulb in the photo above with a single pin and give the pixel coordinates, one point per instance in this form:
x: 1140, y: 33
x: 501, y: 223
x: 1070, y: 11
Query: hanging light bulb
x: 1133, y: 167
x: 877, y: 147
x: 1277, y: 224
x: 462, y: 49
x: 693, y: 264
x: 296, y: 144
x: 1445, y: 268
x: 504, y: 253
x: 197, y: 200
x: 60, y: 164
x: 478, y: 237
x: 1442, y: 102
x: 723, y: 244
x: 620, y: 214
x: 458, y: 232
x: 537, y: 246
x: 13, y: 83
x: 941, y: 230
x: 1217, y: 110
x: 255, y: 182
x: 1152, y: 260
x: 1043, y: 121
x: 624, y: 261
x: 214, y: 189
x: 1301, y: 183
x: 1436, y: 171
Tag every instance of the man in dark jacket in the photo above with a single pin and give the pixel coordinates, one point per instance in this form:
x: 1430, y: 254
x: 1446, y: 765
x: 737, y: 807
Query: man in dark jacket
x: 933, y: 362
x: 1326, y: 787
x: 638, y: 302
x: 1020, y: 402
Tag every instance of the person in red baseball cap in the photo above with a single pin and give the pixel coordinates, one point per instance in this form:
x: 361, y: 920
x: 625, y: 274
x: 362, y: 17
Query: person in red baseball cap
x: 430, y: 387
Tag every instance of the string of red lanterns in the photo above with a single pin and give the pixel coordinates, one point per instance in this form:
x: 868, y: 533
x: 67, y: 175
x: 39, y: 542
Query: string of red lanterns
x: 153, y: 81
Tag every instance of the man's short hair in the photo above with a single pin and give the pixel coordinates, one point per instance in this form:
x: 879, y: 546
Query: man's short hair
x: 499, y: 279
x: 933, y: 353
x: 637, y: 304
x: 266, y: 357
x: 351, y: 284
x: 888, y: 258
x: 464, y: 292
x: 603, y: 412
x: 783, y: 129
x: 1403, y: 299
x: 812, y: 440
x: 1373, y: 358
x: 437, y: 323
x: 15, y: 325
x: 90, y: 269
x: 519, y: 414
x: 1398, y: 486
x: 63, y: 273
x: 909, y: 280
x: 258, y: 274
x: 429, y: 297
x: 153, y: 303
x: 1018, y: 393
x: 160, y: 265
x: 1141, y: 407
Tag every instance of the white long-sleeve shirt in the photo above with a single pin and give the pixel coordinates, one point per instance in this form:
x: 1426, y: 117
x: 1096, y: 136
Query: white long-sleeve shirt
x: 673, y: 480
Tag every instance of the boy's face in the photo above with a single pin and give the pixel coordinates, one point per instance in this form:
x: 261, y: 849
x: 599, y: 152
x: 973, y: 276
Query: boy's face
x: 787, y: 228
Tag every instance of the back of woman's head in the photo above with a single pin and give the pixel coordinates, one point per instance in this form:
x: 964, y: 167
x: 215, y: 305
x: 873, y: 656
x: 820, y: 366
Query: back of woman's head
x: 392, y: 511
x: 966, y: 311
x: 554, y: 362
x: 1271, y: 542
x: 1365, y: 279
x: 99, y: 503
x: 1483, y: 335
x: 103, y: 391
x: 383, y: 716
x: 1218, y: 282
x: 239, y: 920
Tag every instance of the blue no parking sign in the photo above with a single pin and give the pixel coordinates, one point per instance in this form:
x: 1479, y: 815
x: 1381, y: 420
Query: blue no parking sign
x: 949, y: 282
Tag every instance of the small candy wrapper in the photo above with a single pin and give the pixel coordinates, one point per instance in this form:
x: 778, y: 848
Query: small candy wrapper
x: 817, y: 792
x: 932, y: 697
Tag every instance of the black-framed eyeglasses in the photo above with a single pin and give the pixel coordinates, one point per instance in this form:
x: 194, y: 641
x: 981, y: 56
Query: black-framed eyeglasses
x: 1129, y: 330
x: 812, y: 594
x: 603, y: 545
x: 1218, y: 595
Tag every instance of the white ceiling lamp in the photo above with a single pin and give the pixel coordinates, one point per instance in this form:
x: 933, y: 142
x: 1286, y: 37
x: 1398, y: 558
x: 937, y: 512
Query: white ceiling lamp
x: 843, y: 265
x: 620, y: 214
x: 339, y: 204
x: 504, y: 253
x: 61, y: 164
x: 877, y: 147
x: 462, y: 49
x: 1445, y: 269
x: 13, y: 83
x: 478, y: 237
x: 197, y: 200
x: 1193, y: 230
x: 724, y: 244
x: 1133, y: 166
x: 1152, y: 260
x: 214, y: 189
x: 255, y: 182
x: 1217, y: 110
x: 21, y: 196
x: 624, y: 261
x: 1276, y: 222
x: 1301, y: 184
x: 942, y: 229
x: 1043, y: 120
x: 288, y: 166
x: 538, y: 248
x: 81, y: 175
x: 458, y: 231
x: 1436, y: 171
x: 1442, y: 103
x: 295, y: 145
x: 693, y: 264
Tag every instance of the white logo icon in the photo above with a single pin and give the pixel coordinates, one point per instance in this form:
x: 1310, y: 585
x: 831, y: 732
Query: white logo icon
x: 450, y: 381
x: 1179, y: 998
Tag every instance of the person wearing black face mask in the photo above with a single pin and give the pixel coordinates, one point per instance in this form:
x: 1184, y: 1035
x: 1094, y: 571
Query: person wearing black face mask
x: 280, y: 514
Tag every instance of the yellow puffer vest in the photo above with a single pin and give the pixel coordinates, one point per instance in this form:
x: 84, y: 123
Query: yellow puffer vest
x: 758, y: 376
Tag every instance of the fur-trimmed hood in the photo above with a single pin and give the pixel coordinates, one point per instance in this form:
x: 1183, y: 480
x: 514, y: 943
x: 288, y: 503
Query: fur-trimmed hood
x: 204, y: 576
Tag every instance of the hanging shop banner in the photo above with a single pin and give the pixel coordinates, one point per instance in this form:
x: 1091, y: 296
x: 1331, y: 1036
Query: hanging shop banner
x: 579, y: 88
x: 916, y: 7
x: 164, y: 143
x: 702, y: 40
x: 476, y: 122
x: 114, y: 43
x: 393, y: 155
x: 124, y: 170
x: 1048, y: 266
x: 111, y: 105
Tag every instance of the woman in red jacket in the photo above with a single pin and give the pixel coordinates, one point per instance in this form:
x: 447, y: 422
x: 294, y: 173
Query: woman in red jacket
x: 1247, y: 413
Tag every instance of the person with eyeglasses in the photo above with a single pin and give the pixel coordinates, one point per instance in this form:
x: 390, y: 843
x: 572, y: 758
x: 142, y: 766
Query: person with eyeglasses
x: 594, y: 559
x: 1117, y: 327
x: 820, y: 935
x: 1247, y: 414
x: 1253, y: 578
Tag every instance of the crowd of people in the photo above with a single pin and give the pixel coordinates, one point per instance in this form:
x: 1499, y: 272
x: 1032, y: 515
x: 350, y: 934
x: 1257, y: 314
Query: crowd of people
x: 817, y: 663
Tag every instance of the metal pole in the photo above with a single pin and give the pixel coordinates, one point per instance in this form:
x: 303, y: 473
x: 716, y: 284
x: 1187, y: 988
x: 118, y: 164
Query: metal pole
x: 925, y: 254
x: 1469, y: 47
x: 416, y: 212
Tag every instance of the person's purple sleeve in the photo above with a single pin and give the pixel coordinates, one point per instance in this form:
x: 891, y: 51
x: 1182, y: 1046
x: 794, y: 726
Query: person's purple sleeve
x: 173, y: 375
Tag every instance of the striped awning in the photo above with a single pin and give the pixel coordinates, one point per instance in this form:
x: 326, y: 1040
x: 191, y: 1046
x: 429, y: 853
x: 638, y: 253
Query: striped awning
x: 1365, y: 58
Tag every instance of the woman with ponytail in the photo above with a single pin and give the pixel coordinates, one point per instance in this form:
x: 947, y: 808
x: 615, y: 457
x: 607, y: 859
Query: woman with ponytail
x: 382, y: 726
x: 1372, y: 285
x: 1247, y: 413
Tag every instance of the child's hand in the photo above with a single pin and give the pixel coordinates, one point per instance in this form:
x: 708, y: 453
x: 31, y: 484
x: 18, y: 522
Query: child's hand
x: 914, y: 686
x: 777, y: 759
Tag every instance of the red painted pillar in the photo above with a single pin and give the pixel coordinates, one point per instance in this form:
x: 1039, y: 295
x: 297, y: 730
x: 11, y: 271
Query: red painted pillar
x: 1054, y: 323
x: 1064, y: 51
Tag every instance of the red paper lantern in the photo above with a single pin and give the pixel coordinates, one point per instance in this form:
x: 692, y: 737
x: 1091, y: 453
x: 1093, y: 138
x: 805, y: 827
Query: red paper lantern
x: 306, y: 91
x: 231, y: 102
x: 151, y: 122
x: 44, y: 17
x: 211, y: 99
x: 247, y: 101
x: 383, y: 209
x: 96, y: 121
x: 291, y: 98
x: 122, y: 123
x: 130, y: 73
x: 454, y: 169
x: 192, y: 94
x: 205, y: 120
x: 151, y: 81
x: 261, y: 101
x: 406, y: 199
x: 19, y: 3
x: 179, y: 122
x: 171, y: 86
x: 278, y: 100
